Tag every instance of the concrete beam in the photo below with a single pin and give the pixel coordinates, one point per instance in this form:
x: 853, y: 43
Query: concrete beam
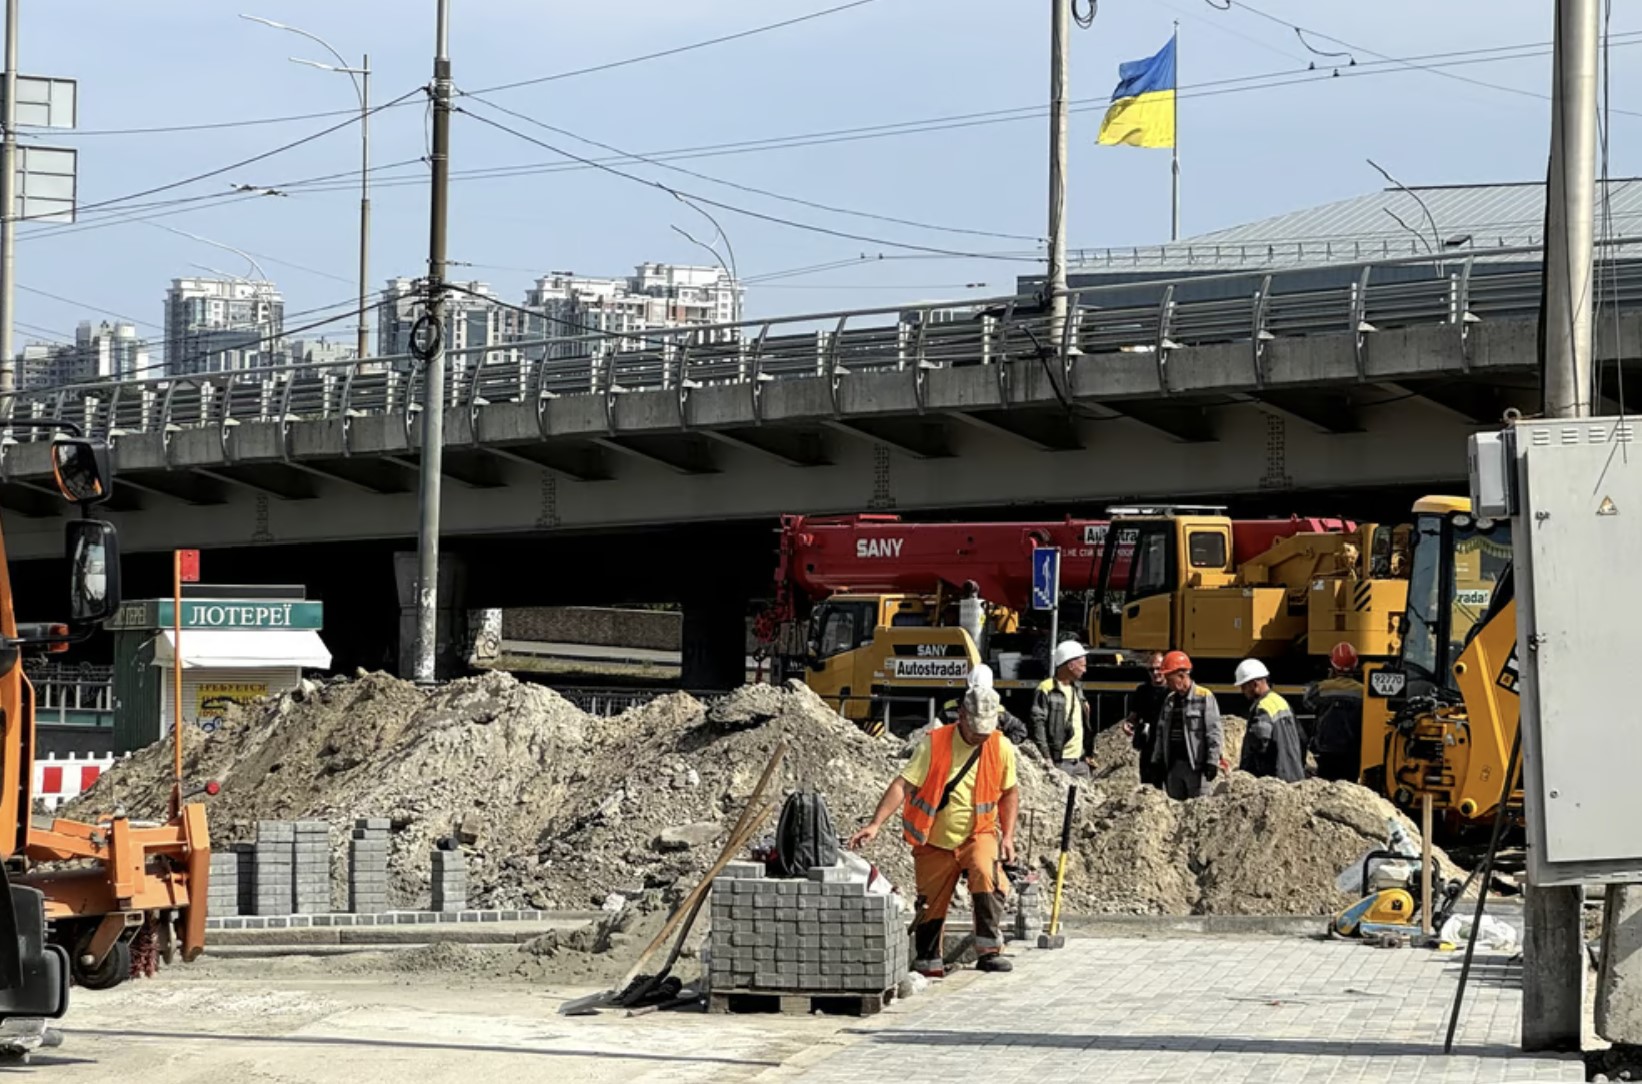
x: 274, y: 479
x: 577, y: 461
x: 1189, y: 423
x: 30, y: 501
x: 1482, y: 404
x: 921, y: 438
x: 1330, y: 411
x: 687, y: 453
x: 472, y: 467
x: 795, y: 446
x: 185, y: 486
x: 1047, y: 430
x: 371, y: 475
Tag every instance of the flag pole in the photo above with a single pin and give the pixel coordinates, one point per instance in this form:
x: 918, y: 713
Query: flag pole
x: 1174, y: 226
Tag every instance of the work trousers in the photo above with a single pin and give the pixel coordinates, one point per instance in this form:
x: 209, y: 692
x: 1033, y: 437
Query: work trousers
x: 1184, y: 781
x: 1338, y: 766
x: 1077, y: 769
x: 937, y: 871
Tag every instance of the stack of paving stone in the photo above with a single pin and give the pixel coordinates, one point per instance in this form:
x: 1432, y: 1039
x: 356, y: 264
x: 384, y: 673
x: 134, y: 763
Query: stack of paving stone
x: 222, y: 898
x: 311, y: 863
x: 450, y: 881
x: 802, y: 941
x: 368, y: 866
x: 275, y: 867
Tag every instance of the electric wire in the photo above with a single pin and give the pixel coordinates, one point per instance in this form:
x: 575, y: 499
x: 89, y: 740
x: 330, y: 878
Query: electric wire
x: 676, y: 50
x: 732, y: 208
x: 750, y: 189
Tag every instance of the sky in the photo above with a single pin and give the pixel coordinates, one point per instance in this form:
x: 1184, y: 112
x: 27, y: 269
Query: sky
x: 1249, y: 149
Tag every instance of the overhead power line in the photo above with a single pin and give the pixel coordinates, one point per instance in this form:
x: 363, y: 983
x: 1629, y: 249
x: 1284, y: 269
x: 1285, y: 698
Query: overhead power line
x: 675, y: 51
x: 812, y: 204
x: 677, y: 193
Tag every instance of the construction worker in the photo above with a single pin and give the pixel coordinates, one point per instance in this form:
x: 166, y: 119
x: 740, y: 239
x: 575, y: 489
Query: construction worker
x: 958, y: 798
x: 1012, y: 728
x: 1273, y: 746
x: 1336, y: 703
x: 1145, y: 708
x: 1060, y: 712
x: 1187, y: 742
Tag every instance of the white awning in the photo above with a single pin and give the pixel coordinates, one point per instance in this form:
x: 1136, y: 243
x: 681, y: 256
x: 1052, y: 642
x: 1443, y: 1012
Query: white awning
x: 243, y: 648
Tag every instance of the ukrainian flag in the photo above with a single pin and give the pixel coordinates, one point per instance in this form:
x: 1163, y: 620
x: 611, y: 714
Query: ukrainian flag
x: 1143, y: 105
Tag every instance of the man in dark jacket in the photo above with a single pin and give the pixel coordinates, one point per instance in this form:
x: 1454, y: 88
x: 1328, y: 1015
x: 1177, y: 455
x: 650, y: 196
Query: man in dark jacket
x: 1273, y: 746
x: 1186, y: 744
x: 1337, y: 704
x: 1145, y: 709
x: 1061, y: 728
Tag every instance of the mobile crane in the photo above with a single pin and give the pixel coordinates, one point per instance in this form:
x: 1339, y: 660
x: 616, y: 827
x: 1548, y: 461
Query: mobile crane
x: 86, y: 902
x: 882, y: 617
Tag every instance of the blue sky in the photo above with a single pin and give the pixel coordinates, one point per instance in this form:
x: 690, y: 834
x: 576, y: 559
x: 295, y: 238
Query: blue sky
x: 1246, y: 155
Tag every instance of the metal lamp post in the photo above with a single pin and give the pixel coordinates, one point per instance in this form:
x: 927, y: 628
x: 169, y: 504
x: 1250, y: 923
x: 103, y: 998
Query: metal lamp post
x: 361, y: 77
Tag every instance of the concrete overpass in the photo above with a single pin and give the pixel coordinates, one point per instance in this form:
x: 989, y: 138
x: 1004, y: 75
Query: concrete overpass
x: 1225, y: 386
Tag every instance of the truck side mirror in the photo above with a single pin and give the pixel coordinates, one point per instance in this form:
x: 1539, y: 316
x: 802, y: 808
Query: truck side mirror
x: 94, y: 571
x: 81, y: 470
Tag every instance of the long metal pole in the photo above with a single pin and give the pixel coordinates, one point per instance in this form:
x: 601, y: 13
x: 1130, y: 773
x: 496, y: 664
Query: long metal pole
x: 1060, y: 58
x: 1571, y: 226
x: 1553, y: 973
x: 1174, y: 165
x: 433, y: 384
x: 8, y: 209
x: 364, y: 205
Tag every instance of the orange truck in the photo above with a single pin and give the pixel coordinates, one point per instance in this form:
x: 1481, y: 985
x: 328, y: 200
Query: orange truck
x: 87, y: 902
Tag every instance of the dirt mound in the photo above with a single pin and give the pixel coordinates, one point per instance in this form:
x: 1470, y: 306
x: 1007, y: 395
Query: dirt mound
x: 567, y: 810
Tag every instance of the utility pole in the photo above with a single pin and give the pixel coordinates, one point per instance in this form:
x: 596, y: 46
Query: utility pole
x: 8, y: 210
x: 433, y: 376
x: 364, y: 205
x: 1060, y: 60
x: 1553, y: 976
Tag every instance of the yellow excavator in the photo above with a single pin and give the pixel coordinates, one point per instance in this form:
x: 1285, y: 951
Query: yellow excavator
x: 1441, y: 718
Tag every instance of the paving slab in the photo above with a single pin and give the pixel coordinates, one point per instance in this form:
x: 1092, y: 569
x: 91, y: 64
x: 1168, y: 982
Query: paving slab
x: 1267, y: 1010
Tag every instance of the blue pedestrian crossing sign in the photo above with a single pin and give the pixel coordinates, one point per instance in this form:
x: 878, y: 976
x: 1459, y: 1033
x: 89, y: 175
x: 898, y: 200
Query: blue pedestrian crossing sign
x: 1045, y: 578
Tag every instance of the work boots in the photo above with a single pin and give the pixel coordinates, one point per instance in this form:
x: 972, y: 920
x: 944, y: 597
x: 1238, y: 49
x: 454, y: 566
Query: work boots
x: 993, y: 961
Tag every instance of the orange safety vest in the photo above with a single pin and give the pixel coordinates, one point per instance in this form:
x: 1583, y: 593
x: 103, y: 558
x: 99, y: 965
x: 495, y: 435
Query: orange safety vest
x: 918, y: 816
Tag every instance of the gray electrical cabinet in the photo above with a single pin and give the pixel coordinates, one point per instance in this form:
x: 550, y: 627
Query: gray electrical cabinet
x: 1574, y: 491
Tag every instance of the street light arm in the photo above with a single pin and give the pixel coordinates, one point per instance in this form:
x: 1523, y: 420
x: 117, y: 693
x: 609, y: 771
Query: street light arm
x: 317, y: 40
x: 730, y: 248
x: 1436, y: 234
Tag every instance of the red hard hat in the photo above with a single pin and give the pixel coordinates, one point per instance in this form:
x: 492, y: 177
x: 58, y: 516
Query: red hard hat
x: 1175, y: 661
x: 1343, y: 657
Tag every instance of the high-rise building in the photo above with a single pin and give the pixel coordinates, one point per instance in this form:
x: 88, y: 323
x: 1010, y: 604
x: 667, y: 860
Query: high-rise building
x: 656, y: 297
x: 101, y: 352
x: 219, y: 325
x: 473, y: 318
x: 321, y: 351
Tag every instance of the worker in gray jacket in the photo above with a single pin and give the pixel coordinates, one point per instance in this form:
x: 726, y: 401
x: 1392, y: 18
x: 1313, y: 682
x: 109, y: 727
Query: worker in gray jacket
x: 1062, y: 729
x: 1273, y: 746
x: 1186, y: 744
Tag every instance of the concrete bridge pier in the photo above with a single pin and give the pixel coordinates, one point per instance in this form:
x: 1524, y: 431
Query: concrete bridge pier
x: 714, y: 645
x: 450, y: 660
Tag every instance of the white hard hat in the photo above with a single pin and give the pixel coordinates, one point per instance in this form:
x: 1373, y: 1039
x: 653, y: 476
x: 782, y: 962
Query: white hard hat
x: 981, y: 677
x: 1250, y: 670
x: 1066, y: 651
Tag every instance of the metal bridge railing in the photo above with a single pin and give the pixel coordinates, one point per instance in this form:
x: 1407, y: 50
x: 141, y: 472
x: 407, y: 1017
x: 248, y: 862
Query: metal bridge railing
x: 1457, y: 289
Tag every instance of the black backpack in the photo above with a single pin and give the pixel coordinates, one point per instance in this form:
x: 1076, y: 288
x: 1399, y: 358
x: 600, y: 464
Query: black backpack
x: 805, y: 836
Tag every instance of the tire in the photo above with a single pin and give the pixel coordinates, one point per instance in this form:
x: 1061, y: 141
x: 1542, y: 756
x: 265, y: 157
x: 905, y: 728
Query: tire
x: 115, y: 968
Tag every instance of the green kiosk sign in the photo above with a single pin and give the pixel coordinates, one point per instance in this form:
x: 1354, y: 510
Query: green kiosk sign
x: 220, y: 613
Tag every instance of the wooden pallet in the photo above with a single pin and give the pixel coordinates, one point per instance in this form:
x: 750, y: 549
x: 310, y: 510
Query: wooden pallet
x: 767, y: 1001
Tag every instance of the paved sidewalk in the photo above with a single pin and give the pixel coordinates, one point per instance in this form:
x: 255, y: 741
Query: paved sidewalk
x: 1259, y: 1010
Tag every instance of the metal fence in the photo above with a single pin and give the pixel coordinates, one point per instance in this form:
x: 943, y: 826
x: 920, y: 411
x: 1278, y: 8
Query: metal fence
x: 1153, y: 317
x: 73, y: 696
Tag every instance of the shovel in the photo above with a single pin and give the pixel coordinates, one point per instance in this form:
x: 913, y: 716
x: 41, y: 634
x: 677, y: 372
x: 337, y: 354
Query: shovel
x: 1052, y: 938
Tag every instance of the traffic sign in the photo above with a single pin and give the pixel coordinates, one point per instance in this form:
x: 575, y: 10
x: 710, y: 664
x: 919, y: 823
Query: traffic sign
x: 1045, y: 578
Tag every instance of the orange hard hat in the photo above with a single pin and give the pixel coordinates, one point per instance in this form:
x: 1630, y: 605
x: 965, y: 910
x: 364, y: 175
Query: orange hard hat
x: 1343, y: 657
x: 1176, y: 661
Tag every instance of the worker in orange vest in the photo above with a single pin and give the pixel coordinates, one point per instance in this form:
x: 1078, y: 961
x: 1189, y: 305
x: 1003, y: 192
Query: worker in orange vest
x: 958, y: 798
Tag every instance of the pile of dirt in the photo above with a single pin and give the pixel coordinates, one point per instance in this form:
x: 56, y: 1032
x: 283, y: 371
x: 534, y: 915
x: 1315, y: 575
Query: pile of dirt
x: 559, y: 809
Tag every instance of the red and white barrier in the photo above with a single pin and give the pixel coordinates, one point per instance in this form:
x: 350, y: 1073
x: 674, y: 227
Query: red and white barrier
x: 56, y: 781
